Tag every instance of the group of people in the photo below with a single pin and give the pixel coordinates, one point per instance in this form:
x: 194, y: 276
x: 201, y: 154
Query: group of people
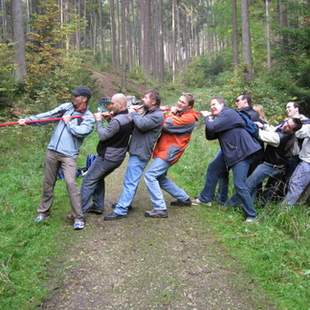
x: 163, y: 133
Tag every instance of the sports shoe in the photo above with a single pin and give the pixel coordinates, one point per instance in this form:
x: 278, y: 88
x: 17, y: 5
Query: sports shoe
x: 251, y: 220
x: 78, y: 224
x: 41, y: 217
x: 113, y: 206
x: 156, y: 213
x: 180, y: 203
x: 198, y: 202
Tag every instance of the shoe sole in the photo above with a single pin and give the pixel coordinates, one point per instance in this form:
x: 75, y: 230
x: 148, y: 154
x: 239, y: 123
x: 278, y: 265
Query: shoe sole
x: 155, y: 216
x: 114, y: 218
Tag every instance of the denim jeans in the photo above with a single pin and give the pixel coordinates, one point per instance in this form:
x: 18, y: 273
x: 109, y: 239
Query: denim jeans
x: 156, y: 179
x: 216, y: 170
x: 131, y: 181
x: 299, y: 181
x: 240, y: 172
x: 93, y: 185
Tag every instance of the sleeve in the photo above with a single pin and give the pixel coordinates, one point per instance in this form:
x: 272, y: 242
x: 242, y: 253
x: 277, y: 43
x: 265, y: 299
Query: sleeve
x: 57, y: 112
x: 225, y: 121
x: 146, y: 122
x: 109, y: 131
x: 271, y: 138
x: 84, y: 128
x: 175, y: 124
x: 303, y: 132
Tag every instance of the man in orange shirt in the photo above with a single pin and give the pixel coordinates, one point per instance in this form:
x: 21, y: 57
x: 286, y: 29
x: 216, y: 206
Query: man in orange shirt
x: 176, y: 133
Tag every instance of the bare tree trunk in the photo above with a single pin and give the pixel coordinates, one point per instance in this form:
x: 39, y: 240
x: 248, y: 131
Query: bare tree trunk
x: 234, y: 33
x: 19, y: 39
x: 174, y: 39
x: 115, y: 58
x: 246, y: 40
x: 268, y: 35
x: 78, y: 26
x: 4, y: 21
x: 161, y: 42
x: 123, y: 46
x: 283, y: 19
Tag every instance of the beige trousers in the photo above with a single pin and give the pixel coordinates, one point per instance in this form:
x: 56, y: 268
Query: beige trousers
x: 53, y: 161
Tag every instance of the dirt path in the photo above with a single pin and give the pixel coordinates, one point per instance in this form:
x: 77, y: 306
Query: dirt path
x: 142, y: 263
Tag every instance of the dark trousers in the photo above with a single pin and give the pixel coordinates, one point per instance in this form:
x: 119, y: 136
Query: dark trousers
x: 93, y: 185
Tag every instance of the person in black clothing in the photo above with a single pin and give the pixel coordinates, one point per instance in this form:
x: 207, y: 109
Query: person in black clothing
x: 277, y: 153
x: 111, y: 150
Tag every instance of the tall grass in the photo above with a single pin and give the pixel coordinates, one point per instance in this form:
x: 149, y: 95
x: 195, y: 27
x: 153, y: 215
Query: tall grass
x: 275, y: 252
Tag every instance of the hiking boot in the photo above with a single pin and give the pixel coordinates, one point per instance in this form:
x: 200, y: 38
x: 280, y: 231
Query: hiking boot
x: 250, y: 220
x: 41, y: 217
x: 181, y: 203
x: 156, y: 213
x: 113, y: 216
x: 78, y: 224
x: 70, y: 217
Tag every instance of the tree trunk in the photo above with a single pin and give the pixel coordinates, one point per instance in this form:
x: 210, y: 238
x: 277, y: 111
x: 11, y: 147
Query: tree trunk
x: 246, y: 40
x: 268, y: 35
x: 19, y: 39
x: 234, y: 36
x: 283, y: 19
x: 174, y: 40
x: 115, y: 58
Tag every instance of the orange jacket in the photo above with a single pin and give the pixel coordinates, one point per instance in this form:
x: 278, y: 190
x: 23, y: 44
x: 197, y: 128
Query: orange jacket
x: 176, y: 134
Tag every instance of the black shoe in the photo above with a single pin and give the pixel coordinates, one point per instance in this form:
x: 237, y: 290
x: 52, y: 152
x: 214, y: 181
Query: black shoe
x: 156, y: 213
x: 94, y: 210
x: 113, y: 216
x: 180, y: 203
x: 129, y: 208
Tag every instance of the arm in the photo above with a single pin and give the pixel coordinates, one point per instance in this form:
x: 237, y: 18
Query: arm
x: 303, y: 132
x: 106, y: 133
x: 271, y: 138
x: 84, y: 128
x: 226, y: 120
x: 176, y: 124
x: 146, y: 122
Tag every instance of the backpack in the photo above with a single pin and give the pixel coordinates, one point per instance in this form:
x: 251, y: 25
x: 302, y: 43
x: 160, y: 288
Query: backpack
x: 250, y: 126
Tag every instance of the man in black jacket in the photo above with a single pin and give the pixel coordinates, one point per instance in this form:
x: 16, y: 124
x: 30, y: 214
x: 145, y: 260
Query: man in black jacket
x: 237, y: 146
x: 111, y: 150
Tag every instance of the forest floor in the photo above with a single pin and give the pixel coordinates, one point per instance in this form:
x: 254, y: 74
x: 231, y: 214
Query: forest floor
x: 143, y: 263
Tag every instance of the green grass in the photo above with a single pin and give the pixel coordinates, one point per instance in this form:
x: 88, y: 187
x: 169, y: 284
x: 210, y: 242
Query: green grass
x: 27, y: 250
x: 275, y: 252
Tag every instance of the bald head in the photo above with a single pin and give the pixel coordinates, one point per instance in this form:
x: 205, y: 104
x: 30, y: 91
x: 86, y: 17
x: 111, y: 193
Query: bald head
x: 119, y: 103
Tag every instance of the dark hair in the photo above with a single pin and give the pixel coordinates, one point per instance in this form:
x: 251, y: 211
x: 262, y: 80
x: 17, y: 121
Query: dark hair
x: 190, y: 98
x: 295, y: 104
x: 297, y: 123
x: 219, y: 99
x: 248, y: 98
x: 154, y: 95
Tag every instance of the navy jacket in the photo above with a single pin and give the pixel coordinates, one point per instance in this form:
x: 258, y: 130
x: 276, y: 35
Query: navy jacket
x: 236, y: 143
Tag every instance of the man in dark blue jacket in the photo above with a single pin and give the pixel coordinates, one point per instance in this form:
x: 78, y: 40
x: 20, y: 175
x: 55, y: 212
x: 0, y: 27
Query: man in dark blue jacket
x: 237, y: 146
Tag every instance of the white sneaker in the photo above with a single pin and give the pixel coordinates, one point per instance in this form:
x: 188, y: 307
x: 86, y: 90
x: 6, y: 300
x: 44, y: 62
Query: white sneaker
x: 198, y: 202
x: 250, y: 220
x: 78, y: 224
x: 40, y: 218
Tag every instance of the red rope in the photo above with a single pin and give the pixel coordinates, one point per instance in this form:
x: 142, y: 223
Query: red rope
x: 43, y: 120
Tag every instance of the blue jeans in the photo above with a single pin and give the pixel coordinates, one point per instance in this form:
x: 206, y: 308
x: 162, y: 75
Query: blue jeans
x: 131, y: 181
x: 299, y: 181
x: 240, y: 172
x: 261, y: 172
x: 216, y: 170
x: 93, y: 185
x: 156, y: 179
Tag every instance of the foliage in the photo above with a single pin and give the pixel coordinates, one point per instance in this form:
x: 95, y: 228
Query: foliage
x: 274, y: 253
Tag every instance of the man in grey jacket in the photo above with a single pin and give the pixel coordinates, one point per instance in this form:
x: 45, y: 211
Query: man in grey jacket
x: 147, y: 128
x: 111, y: 150
x: 63, y: 149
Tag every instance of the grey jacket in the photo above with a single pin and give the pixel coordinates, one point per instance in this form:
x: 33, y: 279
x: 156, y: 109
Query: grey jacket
x: 67, y: 138
x: 147, y: 129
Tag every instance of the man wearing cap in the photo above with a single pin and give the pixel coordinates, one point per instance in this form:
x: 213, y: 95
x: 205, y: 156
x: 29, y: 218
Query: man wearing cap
x: 111, y: 150
x: 63, y: 149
